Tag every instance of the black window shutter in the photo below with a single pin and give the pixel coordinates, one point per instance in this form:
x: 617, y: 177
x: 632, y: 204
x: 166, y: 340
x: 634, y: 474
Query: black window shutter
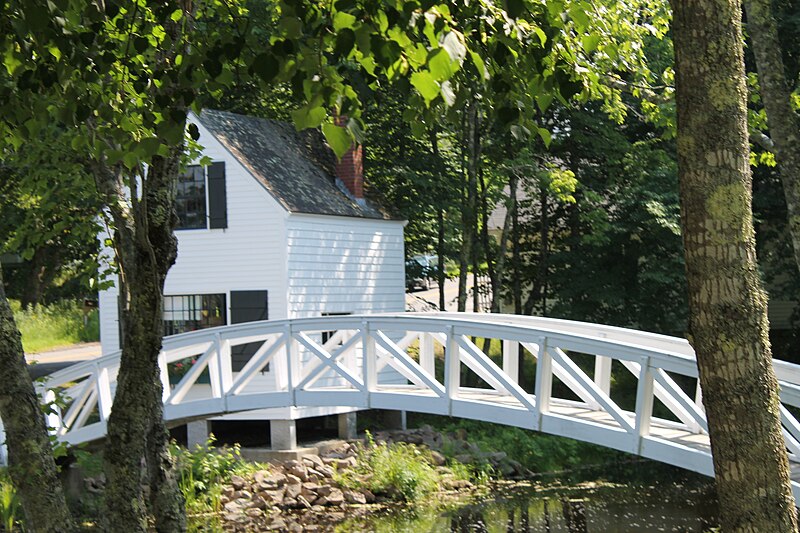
x: 247, y: 306
x: 217, y: 200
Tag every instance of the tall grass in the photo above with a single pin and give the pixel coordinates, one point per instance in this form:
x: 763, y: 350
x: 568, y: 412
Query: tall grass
x: 52, y: 326
x: 9, y: 504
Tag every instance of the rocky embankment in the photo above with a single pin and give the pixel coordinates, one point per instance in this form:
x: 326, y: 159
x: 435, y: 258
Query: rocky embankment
x: 277, y: 499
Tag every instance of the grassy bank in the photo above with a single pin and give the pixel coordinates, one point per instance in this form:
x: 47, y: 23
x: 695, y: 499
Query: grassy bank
x: 51, y: 326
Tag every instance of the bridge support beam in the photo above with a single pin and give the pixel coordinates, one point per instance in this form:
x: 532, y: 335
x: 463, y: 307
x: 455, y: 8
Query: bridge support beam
x: 348, y: 428
x: 283, y: 434
x: 197, y: 433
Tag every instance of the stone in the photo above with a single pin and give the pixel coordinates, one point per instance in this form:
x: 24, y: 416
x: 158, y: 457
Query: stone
x: 313, y: 461
x: 301, y: 500
x: 260, y: 476
x: 254, y: 512
x: 233, y: 507
x: 246, y: 494
x: 273, y: 481
x: 326, y: 471
x: 297, y: 469
x: 237, y: 482
x: 293, y: 490
x: 324, y: 490
x: 274, y: 497
x: 437, y: 458
x: 228, y: 492
x: 336, y: 497
x: 236, y: 517
x: 368, y: 495
x: 258, y: 502
x: 352, y: 496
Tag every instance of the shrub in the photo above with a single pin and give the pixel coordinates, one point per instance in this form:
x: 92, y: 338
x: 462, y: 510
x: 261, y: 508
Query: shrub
x: 203, y: 471
x: 399, y: 470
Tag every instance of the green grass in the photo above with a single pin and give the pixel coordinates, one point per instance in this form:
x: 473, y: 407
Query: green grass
x: 10, y: 511
x: 51, y: 326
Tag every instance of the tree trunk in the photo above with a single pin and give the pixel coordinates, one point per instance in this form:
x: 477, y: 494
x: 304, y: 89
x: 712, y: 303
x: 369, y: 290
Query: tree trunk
x: 727, y: 306
x: 539, y: 289
x: 440, y: 255
x: 499, y: 269
x: 469, y: 212
x: 516, y: 284
x: 136, y: 450
x: 784, y: 126
x: 32, y: 467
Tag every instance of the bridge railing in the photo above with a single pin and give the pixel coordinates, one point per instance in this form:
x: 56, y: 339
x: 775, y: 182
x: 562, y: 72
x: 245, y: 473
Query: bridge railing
x: 435, y: 363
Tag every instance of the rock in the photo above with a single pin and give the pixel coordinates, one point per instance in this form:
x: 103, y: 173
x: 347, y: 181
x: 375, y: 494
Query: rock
x: 260, y: 476
x: 351, y: 496
x: 294, y: 527
x: 293, y: 490
x: 254, y: 512
x: 274, y: 497
x: 228, y: 492
x: 272, y: 481
x: 313, y: 461
x: 298, y: 469
x: 246, y: 494
x: 324, y: 490
x: 236, y: 517
x: 233, y: 507
x: 336, y: 497
x: 347, y: 462
x: 321, y: 501
x: 437, y: 458
x: 277, y: 524
x: 497, y: 456
x: 258, y: 502
x: 290, y: 479
x: 290, y: 502
x: 325, y: 470
x: 464, y: 458
x: 237, y: 482
x: 301, y: 500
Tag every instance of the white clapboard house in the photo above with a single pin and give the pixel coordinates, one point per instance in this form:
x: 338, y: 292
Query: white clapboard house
x: 273, y: 228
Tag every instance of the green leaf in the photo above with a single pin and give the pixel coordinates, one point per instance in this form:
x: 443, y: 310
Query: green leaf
x: 176, y: 15
x: 543, y: 100
x: 439, y: 65
x: 306, y: 117
x: 545, y: 135
x: 266, y: 66
x: 343, y: 20
x: 477, y: 60
x: 590, y: 42
x: 426, y: 85
x: 338, y: 138
x: 515, y: 8
x: 580, y: 17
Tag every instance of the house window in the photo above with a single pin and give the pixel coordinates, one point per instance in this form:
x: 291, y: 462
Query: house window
x: 201, y: 201
x: 326, y: 335
x: 190, y: 201
x: 193, y: 312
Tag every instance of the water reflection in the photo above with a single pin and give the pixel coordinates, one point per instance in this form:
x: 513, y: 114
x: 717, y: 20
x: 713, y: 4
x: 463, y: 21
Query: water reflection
x: 587, y: 508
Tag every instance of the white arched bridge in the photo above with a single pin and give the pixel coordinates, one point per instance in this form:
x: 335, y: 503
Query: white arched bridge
x: 435, y: 363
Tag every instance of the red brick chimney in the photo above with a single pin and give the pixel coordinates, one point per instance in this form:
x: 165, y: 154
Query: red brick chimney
x: 350, y: 169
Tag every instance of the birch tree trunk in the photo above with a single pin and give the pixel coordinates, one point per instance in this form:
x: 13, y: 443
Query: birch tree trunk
x: 784, y: 126
x: 728, y: 313
x: 32, y: 467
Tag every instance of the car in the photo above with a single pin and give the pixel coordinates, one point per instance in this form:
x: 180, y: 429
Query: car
x: 421, y: 271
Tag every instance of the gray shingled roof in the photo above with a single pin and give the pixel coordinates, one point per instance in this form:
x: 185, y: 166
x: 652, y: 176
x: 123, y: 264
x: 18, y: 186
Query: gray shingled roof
x: 296, y: 168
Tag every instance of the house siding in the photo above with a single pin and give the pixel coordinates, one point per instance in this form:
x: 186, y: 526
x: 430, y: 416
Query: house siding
x: 344, y: 265
x: 250, y: 254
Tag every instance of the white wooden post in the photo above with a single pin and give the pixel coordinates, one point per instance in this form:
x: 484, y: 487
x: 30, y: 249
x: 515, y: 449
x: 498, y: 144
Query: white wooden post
x: 220, y: 369
x: 103, y: 392
x: 293, y: 374
x: 511, y: 360
x: 426, y: 357
x: 602, y: 373
x: 3, y: 448
x: 370, y: 358
x: 166, y: 389
x: 544, y: 381
x: 452, y: 365
x: 644, y: 401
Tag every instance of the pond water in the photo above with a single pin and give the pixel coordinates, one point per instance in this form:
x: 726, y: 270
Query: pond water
x: 678, y: 502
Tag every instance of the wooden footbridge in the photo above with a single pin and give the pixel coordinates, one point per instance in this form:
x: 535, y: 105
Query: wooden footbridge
x: 435, y: 363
